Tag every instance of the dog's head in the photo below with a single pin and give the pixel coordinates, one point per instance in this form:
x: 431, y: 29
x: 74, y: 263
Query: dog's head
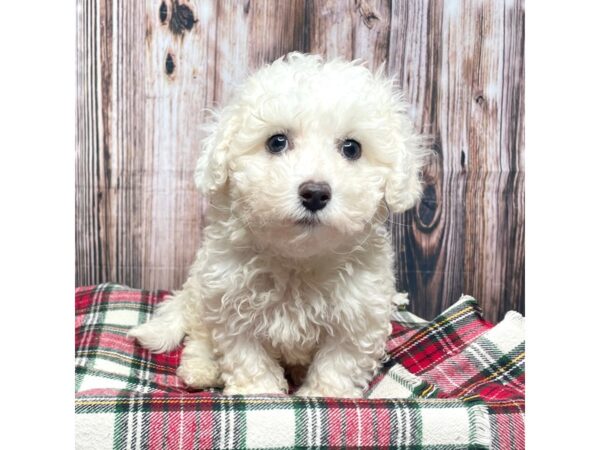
x: 309, y: 152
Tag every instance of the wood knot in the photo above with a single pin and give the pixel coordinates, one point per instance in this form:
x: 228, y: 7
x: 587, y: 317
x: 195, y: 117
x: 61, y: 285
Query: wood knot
x: 480, y: 99
x: 163, y: 12
x: 169, y: 64
x: 428, y: 206
x: 182, y: 18
x: 367, y: 12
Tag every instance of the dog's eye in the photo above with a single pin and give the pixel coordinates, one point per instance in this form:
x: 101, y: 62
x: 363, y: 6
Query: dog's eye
x: 351, y: 149
x: 277, y: 143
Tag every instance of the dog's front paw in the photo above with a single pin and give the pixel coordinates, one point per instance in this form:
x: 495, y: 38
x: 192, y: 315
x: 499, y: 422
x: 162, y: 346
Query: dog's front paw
x: 199, y: 374
x: 328, y: 391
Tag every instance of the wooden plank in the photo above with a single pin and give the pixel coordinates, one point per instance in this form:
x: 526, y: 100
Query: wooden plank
x: 494, y: 235
x: 427, y: 238
x: 83, y: 210
x: 178, y: 82
x: 91, y: 234
x: 494, y: 224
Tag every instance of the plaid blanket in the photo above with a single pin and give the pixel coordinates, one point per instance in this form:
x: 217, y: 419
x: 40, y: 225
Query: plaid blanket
x: 456, y: 382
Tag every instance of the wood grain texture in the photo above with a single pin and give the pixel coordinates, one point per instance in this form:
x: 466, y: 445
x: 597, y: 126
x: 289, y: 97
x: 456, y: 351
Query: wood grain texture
x: 148, y: 72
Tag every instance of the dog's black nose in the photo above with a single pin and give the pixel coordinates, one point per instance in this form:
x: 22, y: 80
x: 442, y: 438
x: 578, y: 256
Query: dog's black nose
x: 314, y: 195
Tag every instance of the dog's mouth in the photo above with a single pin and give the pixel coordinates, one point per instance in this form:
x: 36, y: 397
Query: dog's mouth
x: 309, y: 221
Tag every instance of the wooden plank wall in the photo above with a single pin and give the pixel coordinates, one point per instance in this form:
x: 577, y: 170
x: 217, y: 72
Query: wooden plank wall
x: 148, y: 70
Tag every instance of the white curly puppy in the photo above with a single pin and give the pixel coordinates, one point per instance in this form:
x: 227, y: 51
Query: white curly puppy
x: 296, y: 265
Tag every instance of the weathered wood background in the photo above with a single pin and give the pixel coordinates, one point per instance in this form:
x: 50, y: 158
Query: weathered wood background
x: 148, y: 69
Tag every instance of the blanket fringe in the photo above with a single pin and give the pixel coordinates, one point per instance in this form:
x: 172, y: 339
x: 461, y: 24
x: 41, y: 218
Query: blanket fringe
x: 481, y: 421
x: 514, y: 316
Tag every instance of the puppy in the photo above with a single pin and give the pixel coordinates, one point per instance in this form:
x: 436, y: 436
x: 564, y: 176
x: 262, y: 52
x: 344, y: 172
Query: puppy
x: 296, y: 266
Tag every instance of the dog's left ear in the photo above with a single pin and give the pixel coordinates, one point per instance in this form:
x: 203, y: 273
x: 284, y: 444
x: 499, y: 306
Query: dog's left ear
x: 403, y: 187
x: 211, y: 169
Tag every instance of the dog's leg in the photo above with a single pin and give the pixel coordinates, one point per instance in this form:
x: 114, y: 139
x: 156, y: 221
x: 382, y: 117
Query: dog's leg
x: 198, y: 367
x: 166, y: 328
x: 339, y: 370
x: 247, y: 368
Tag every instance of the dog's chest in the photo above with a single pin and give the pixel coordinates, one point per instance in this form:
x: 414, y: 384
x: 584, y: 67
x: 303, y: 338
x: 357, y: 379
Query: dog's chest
x: 296, y: 317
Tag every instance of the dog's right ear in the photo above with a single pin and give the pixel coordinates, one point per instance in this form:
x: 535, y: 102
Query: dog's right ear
x: 212, y: 167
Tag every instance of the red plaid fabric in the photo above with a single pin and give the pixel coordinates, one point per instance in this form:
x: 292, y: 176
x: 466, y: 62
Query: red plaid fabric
x: 453, y: 383
x: 459, y: 354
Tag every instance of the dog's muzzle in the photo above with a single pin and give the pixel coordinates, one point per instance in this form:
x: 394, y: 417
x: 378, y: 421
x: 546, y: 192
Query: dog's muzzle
x: 314, y: 196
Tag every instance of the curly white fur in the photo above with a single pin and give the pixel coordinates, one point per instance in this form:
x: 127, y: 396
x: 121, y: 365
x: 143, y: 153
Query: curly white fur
x: 267, y: 290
